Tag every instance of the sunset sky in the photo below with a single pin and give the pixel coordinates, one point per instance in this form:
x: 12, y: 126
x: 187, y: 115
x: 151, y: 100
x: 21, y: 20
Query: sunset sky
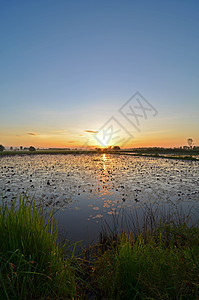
x: 68, y: 67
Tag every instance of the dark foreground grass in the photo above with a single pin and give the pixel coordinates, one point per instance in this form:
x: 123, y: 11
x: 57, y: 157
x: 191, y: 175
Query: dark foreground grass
x: 32, y: 265
x: 162, y: 262
x: 157, y: 259
x: 163, y: 265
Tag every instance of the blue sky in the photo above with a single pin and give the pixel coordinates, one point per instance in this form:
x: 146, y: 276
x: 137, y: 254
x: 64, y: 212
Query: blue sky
x: 68, y: 66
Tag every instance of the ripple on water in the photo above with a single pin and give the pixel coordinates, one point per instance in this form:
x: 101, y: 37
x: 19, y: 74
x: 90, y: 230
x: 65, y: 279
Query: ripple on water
x: 101, y: 183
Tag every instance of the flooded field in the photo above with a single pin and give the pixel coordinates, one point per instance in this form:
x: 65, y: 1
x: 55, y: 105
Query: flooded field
x: 84, y: 189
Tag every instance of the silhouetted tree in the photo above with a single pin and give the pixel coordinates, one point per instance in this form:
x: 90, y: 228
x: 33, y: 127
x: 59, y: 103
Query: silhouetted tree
x: 32, y: 148
x: 2, y: 148
x: 116, y: 148
x: 190, y: 142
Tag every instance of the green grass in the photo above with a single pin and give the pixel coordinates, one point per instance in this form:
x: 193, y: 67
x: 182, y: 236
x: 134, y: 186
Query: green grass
x: 156, y: 153
x: 162, y: 156
x: 159, y: 262
x: 162, y: 265
x: 32, y: 264
x: 48, y: 152
x: 156, y: 150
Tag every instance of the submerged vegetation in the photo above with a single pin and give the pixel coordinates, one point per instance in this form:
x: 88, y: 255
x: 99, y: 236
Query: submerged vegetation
x: 159, y: 262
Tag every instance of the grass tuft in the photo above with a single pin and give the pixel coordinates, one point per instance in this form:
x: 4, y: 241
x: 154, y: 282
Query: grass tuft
x: 157, y: 258
x: 32, y: 264
x: 162, y: 265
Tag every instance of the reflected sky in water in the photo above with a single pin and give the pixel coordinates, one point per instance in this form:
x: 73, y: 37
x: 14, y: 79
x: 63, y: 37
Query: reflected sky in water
x: 84, y: 189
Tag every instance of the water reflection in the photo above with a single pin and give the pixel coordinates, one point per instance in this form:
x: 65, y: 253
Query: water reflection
x: 104, y: 161
x: 91, y: 187
x: 104, y: 157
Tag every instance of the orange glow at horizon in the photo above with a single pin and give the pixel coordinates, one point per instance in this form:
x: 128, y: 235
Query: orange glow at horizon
x: 59, y: 139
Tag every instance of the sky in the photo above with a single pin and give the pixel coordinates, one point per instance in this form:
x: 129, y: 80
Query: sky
x: 99, y: 73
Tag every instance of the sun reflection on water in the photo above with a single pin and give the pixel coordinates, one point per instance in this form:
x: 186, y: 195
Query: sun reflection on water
x: 104, y: 161
x: 104, y: 157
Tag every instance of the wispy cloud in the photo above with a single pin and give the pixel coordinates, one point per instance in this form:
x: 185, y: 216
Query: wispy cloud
x: 59, y: 131
x: 91, y: 131
x: 32, y: 133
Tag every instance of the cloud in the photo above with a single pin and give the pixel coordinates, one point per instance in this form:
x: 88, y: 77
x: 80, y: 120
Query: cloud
x: 91, y: 131
x: 71, y: 142
x: 32, y: 133
x: 59, y: 131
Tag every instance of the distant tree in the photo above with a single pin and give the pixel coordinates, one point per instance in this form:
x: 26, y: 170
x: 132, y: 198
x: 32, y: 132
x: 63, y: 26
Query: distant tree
x: 11, y: 148
x: 2, y: 148
x: 116, y: 148
x: 190, y: 142
x: 21, y: 147
x: 31, y: 148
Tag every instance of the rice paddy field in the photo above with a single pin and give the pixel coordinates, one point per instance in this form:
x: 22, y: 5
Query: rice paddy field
x: 98, y: 226
x: 86, y: 189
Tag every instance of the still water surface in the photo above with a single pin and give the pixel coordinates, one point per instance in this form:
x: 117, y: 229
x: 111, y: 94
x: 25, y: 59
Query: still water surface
x: 84, y: 189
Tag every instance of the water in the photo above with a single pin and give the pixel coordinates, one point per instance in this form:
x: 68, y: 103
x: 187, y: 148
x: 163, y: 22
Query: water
x: 84, y: 189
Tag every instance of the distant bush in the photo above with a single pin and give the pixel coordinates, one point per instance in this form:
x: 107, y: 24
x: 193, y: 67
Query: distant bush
x: 32, y: 148
x: 116, y: 148
x: 2, y: 148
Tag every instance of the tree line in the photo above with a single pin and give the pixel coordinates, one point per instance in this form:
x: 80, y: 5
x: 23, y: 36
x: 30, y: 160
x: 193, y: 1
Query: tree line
x: 31, y: 148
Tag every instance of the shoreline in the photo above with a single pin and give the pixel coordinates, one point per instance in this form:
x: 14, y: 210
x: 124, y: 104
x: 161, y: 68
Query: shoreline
x: 184, y: 155
x: 162, y: 259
